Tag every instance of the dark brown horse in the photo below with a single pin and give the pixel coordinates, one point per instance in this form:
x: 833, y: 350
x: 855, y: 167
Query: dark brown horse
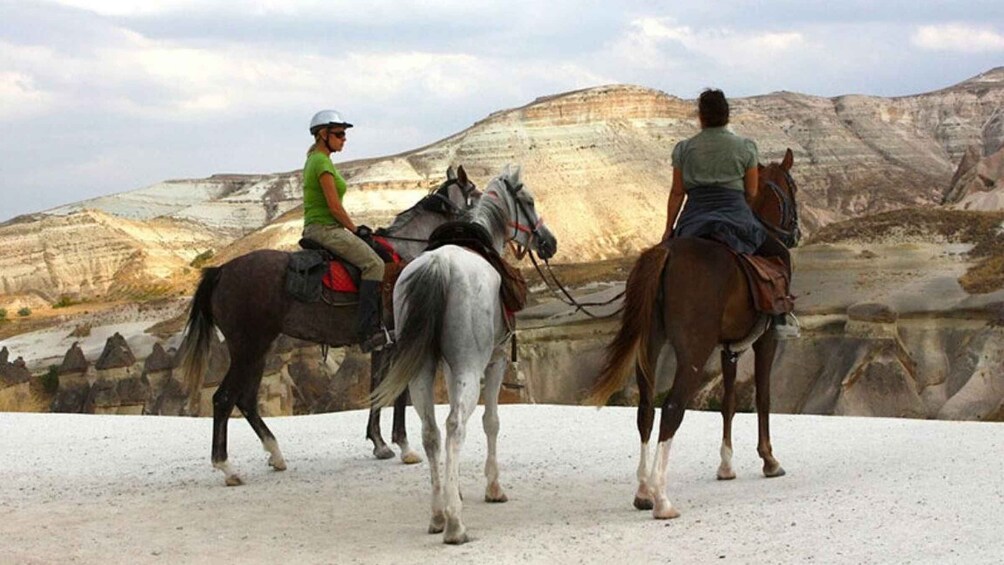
x: 692, y: 295
x: 245, y: 299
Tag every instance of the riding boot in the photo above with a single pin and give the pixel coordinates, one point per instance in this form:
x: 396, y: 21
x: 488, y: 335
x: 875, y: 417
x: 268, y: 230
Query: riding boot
x: 369, y: 326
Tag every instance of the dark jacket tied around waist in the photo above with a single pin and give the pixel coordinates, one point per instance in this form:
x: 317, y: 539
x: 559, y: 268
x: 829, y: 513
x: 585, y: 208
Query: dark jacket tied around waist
x: 720, y: 214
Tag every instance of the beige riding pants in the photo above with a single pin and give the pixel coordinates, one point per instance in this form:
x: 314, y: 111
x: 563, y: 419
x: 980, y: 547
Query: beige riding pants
x: 345, y: 243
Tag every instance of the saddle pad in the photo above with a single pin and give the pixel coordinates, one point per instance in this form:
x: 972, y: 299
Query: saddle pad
x: 338, y: 279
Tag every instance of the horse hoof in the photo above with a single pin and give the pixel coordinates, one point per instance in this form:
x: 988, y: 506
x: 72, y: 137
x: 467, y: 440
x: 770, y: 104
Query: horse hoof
x: 726, y: 475
x: 643, y: 503
x: 437, y: 524
x: 772, y: 474
x: 277, y: 464
x: 456, y: 540
x: 496, y: 497
x: 667, y: 513
x: 456, y: 534
x: 234, y: 481
x: 411, y: 457
x: 383, y: 452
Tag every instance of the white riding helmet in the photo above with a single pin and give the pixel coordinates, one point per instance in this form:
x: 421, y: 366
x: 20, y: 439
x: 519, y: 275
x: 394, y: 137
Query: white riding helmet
x: 326, y: 118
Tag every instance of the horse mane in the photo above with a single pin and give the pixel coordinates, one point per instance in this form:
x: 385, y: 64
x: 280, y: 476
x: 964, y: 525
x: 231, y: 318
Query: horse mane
x: 489, y: 212
x: 404, y: 218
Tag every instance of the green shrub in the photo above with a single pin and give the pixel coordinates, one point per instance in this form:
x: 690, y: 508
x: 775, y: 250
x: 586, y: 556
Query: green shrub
x: 24, y: 312
x: 50, y: 380
x: 3, y: 314
x: 202, y: 258
x: 64, y: 301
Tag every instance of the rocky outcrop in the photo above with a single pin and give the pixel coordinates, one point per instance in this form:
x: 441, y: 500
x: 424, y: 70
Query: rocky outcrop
x: 596, y: 159
x: 75, y: 380
x: 12, y: 373
x: 978, y: 184
x: 89, y: 254
x: 16, y: 391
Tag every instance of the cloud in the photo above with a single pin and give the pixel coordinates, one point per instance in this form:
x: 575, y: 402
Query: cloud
x: 958, y: 37
x: 21, y: 98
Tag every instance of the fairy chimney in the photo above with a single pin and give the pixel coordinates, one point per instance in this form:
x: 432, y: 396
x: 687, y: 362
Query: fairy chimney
x: 12, y: 373
x: 116, y: 354
x: 74, y: 386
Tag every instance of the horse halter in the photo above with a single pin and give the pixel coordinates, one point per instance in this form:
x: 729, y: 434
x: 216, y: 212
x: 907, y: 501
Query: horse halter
x: 787, y: 231
x: 442, y: 194
x: 517, y: 227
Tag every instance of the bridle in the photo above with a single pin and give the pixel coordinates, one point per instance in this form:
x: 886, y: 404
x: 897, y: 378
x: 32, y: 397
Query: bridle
x: 518, y: 249
x: 442, y: 194
x: 788, y: 231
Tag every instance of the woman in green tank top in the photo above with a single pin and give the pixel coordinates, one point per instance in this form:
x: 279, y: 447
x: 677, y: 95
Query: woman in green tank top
x: 326, y: 222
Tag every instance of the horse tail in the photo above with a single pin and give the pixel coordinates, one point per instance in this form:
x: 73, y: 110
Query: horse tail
x: 194, y: 351
x: 641, y: 295
x: 423, y: 300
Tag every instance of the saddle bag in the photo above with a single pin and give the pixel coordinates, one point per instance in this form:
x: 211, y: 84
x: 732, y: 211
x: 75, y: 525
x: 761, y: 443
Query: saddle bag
x: 303, y: 275
x: 769, y: 284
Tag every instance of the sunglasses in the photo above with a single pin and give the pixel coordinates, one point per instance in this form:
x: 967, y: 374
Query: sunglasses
x: 338, y: 134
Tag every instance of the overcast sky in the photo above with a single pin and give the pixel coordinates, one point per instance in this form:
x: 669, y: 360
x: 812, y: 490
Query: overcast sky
x: 97, y: 97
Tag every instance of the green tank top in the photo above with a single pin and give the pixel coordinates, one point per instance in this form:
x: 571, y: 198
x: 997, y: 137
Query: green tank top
x: 315, y: 206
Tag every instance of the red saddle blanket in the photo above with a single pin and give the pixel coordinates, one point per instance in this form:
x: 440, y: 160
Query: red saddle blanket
x: 338, y: 278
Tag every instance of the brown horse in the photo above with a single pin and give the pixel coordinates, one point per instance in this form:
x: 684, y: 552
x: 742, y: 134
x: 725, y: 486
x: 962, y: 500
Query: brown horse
x: 245, y: 299
x: 692, y: 295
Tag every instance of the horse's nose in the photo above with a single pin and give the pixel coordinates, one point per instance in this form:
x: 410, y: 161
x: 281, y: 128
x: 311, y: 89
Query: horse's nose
x: 547, y: 246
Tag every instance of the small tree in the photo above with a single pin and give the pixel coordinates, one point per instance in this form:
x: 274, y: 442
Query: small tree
x: 24, y: 312
x: 50, y: 380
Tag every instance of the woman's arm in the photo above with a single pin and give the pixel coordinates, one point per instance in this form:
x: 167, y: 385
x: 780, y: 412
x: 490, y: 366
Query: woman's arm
x: 675, y: 202
x: 751, y: 181
x: 334, y: 203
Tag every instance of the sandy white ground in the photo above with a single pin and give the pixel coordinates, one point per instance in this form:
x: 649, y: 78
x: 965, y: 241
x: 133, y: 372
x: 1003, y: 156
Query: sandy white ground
x: 124, y: 489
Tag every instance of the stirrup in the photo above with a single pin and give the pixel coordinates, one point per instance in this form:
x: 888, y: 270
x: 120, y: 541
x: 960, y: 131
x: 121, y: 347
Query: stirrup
x: 789, y: 330
x: 377, y: 341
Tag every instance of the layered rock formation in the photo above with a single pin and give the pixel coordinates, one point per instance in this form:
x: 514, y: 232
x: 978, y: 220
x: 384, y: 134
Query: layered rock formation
x: 978, y: 183
x: 597, y: 160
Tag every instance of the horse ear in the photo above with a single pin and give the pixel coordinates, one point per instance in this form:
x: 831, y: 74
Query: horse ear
x: 789, y: 160
x: 462, y: 176
x: 517, y: 175
x: 450, y: 173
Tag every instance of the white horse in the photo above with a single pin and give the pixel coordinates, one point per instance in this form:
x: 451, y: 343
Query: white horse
x: 447, y: 307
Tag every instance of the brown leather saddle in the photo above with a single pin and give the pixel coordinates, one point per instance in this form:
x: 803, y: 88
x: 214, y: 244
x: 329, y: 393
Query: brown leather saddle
x: 769, y: 283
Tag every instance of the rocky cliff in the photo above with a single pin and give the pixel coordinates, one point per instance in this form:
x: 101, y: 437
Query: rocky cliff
x: 597, y: 160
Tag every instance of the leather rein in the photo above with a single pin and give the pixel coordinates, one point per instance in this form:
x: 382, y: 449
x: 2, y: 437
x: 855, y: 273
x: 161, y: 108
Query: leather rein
x: 788, y: 231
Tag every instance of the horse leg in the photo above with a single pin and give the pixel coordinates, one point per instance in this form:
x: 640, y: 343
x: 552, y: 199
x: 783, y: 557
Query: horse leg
x: 247, y: 403
x: 400, y: 435
x: 421, y: 389
x: 764, y: 349
x: 378, y: 369
x: 646, y: 418
x: 685, y: 383
x: 223, y: 404
x: 493, y: 384
x: 725, y: 470
x: 464, y: 388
